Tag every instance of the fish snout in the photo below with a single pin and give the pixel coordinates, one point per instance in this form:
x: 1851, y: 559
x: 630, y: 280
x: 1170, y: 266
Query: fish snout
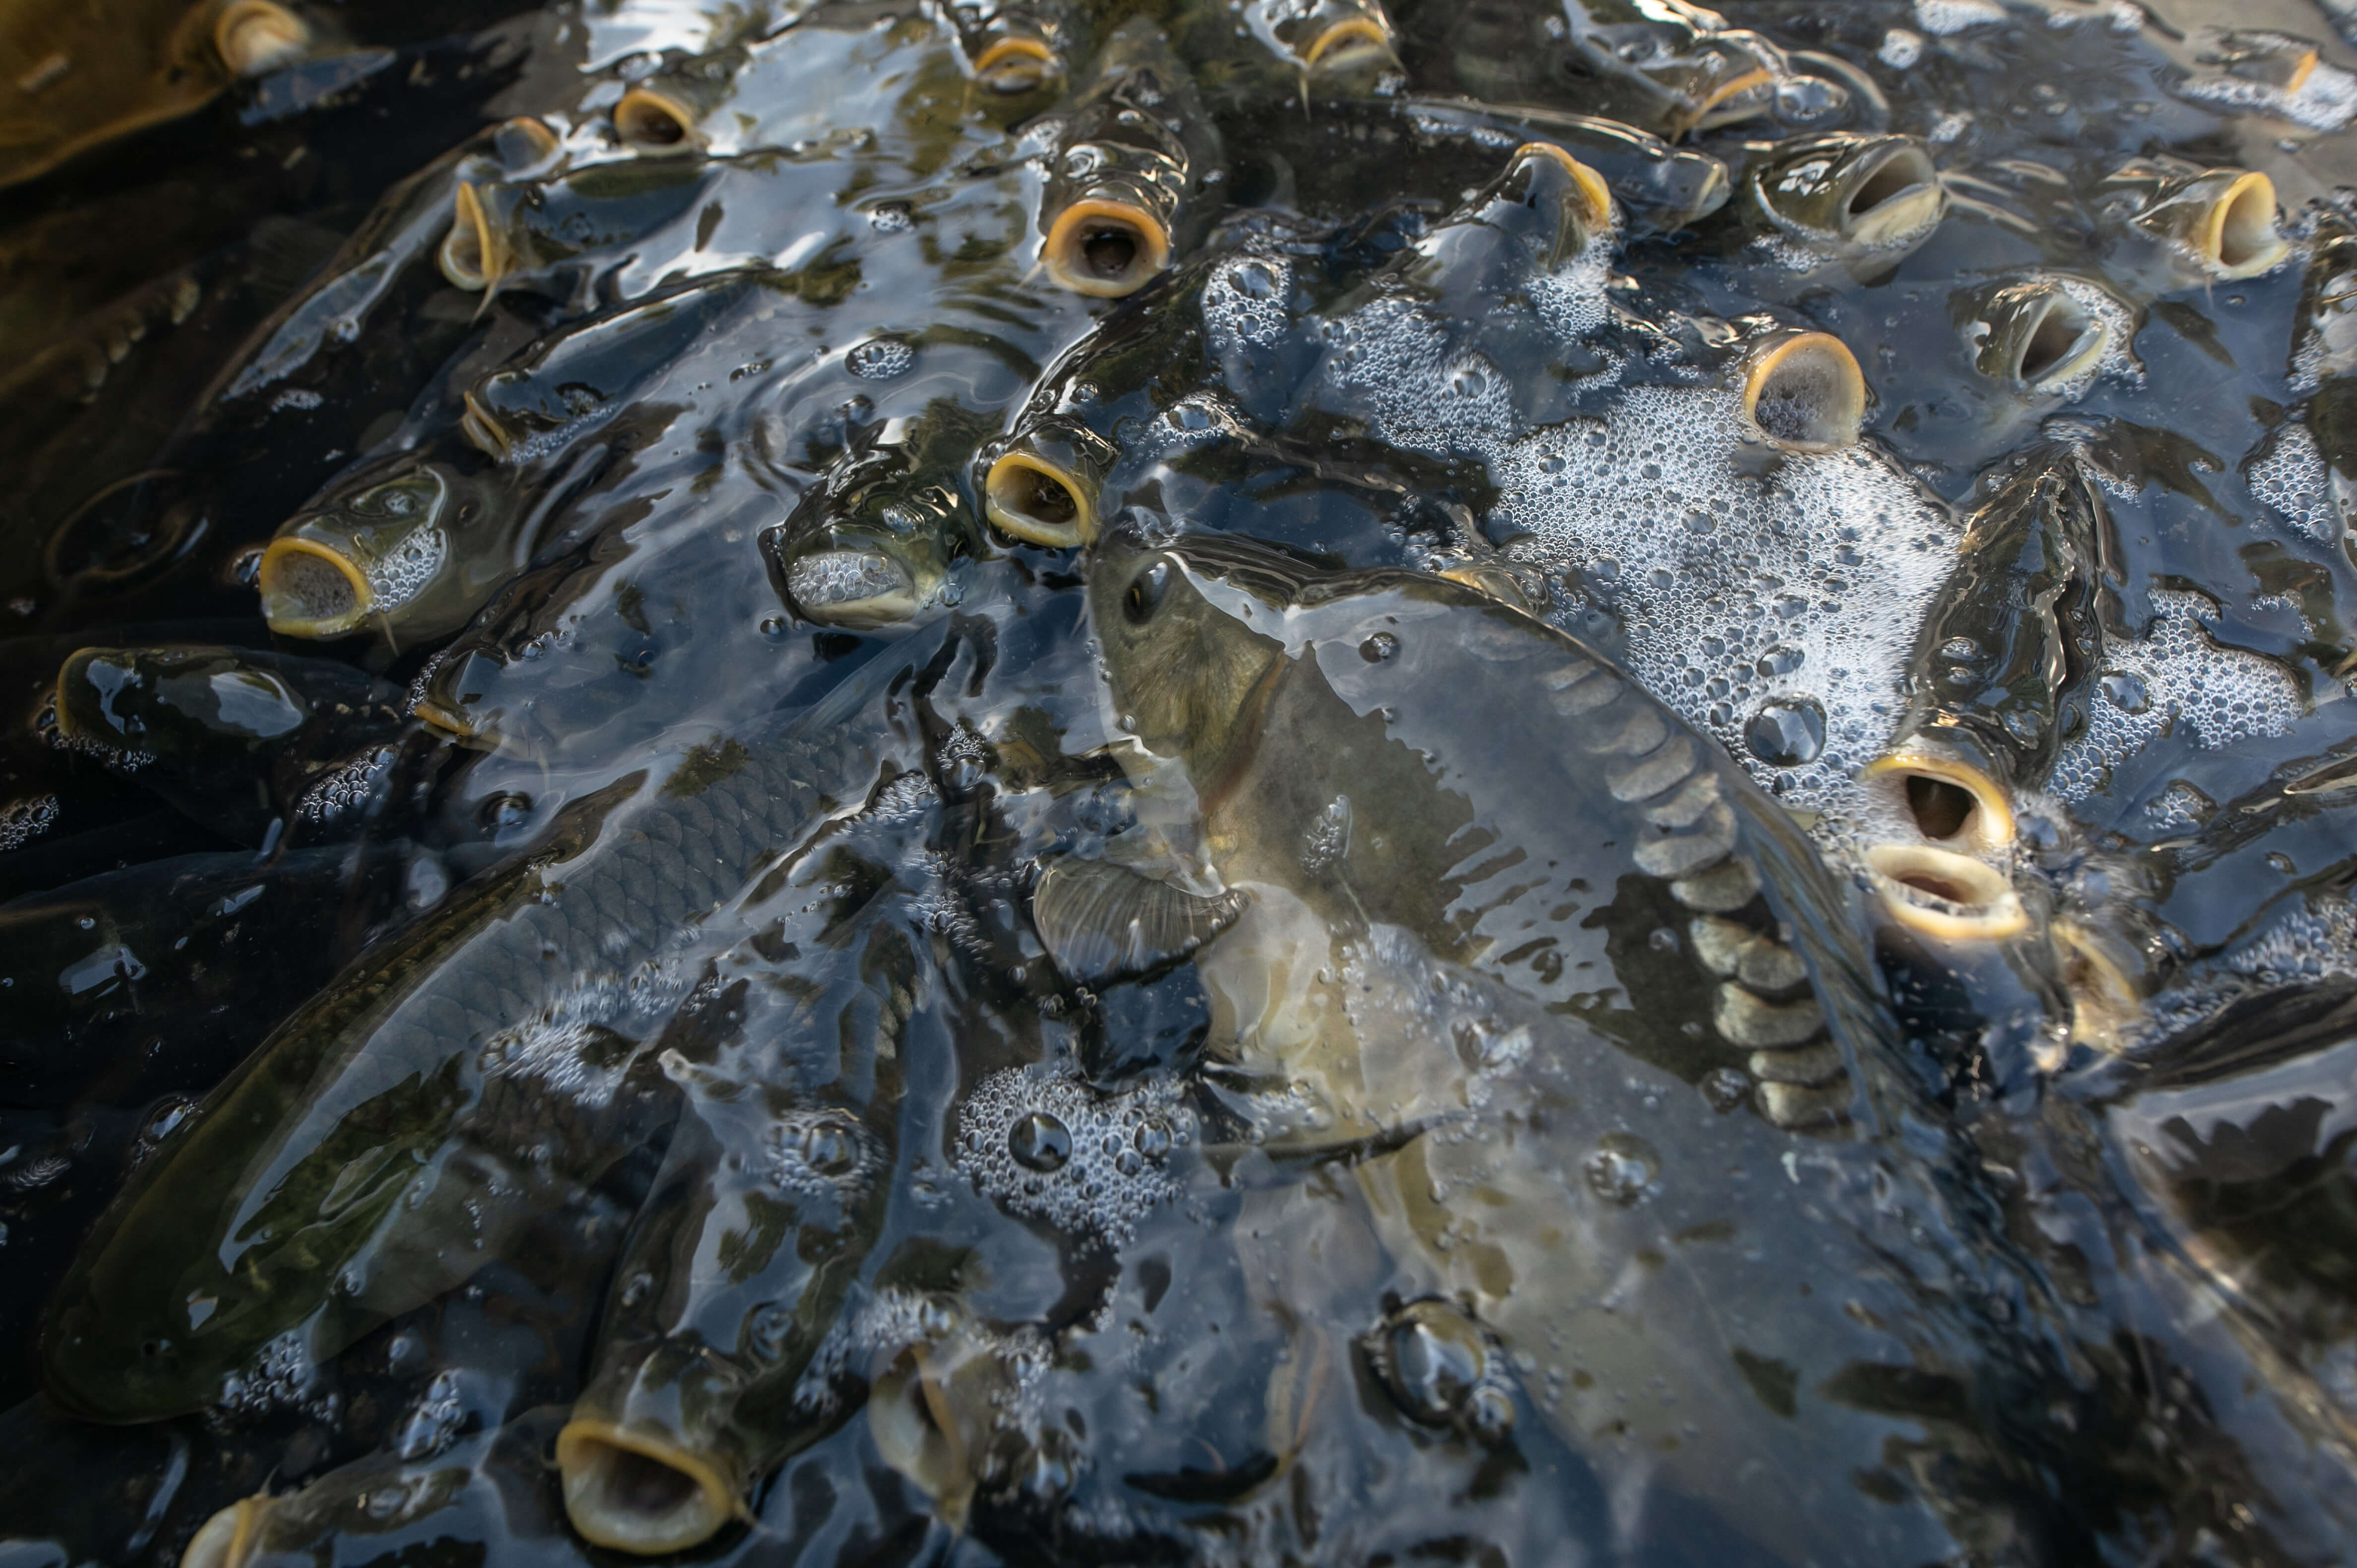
x: 1042, y: 485
x: 639, y: 1489
x: 1895, y: 197
x: 1805, y: 393
x: 1105, y: 247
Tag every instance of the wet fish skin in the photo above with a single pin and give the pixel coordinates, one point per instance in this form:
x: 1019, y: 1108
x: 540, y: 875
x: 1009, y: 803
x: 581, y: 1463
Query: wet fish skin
x: 872, y: 541
x: 1399, y: 849
x: 773, y: 1185
x: 230, y: 737
x: 2012, y: 644
x: 341, y: 1174
x: 1134, y: 142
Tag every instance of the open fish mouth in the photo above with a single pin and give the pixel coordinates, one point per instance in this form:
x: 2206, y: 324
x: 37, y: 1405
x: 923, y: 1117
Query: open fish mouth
x: 2050, y: 343
x: 636, y: 1492
x: 1945, y: 895
x: 851, y: 588
x: 1953, y: 804
x: 1106, y: 249
x: 1897, y: 197
x: 309, y: 590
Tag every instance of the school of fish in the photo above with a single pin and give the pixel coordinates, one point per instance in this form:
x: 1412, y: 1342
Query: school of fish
x: 1179, y: 781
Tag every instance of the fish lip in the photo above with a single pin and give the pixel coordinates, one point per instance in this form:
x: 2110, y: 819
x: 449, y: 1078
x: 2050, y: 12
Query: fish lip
x: 1901, y: 216
x: 2086, y: 348
x: 590, y: 1447
x: 999, y: 507
x: 1788, y: 357
x: 1349, y: 45
x: 886, y: 606
x: 1000, y: 66
x: 1988, y: 828
x: 2240, y: 240
x: 1069, y: 233
x: 470, y: 221
x: 1920, y: 886
x: 641, y: 110
x: 228, y: 1539
x: 283, y: 606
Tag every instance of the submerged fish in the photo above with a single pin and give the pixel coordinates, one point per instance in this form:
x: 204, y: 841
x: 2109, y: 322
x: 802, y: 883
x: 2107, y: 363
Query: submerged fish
x: 1481, y: 962
x: 368, y: 1156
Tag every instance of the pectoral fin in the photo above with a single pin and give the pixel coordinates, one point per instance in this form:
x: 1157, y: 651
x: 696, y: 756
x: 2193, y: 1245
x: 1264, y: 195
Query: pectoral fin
x: 1104, y: 922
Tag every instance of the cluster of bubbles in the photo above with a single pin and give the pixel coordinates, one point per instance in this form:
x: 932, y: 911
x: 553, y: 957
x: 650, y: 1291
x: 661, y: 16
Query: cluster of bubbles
x: 1048, y: 1146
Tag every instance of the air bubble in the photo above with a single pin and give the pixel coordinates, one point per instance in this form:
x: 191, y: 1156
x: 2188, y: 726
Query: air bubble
x: 1039, y: 1142
x: 1622, y: 1168
x: 1787, y: 733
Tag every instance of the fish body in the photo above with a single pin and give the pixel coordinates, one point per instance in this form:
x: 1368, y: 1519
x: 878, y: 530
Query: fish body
x: 367, y: 1156
x: 1126, y: 189
x: 1500, y: 901
x: 232, y: 737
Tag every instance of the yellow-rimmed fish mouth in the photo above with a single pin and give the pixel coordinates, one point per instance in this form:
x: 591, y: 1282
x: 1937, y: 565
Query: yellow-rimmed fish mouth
x: 1900, y: 199
x: 1040, y: 501
x: 1594, y: 193
x: 1012, y: 66
x: 442, y: 719
x: 2060, y: 342
x: 255, y: 36
x: 636, y: 1492
x: 1948, y: 897
x: 309, y: 590
x: 229, y: 1538
x: 1950, y: 802
x: 2237, y: 237
x: 2106, y: 1005
x: 1806, y: 393
x: 482, y: 427
x: 1739, y: 97
x: 1106, y: 249
x: 1349, y: 44
x: 525, y: 140
x: 654, y: 121
x: 473, y: 255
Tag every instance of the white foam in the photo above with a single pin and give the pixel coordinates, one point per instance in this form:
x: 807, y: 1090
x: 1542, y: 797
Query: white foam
x: 1732, y: 590
x: 579, y: 1043
x: 1941, y: 17
x: 1118, y: 1168
x: 2325, y: 100
x: 2296, y: 482
x: 2192, y: 689
x: 1900, y: 48
x: 21, y: 821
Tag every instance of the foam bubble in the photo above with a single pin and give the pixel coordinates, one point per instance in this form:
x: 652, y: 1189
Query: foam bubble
x: 2325, y: 99
x: 580, y: 1045
x: 346, y: 787
x: 2296, y: 483
x: 21, y: 821
x: 1941, y: 17
x: 1114, y: 1163
x: 1900, y: 48
x: 402, y: 573
x: 2174, y: 681
x: 1733, y: 591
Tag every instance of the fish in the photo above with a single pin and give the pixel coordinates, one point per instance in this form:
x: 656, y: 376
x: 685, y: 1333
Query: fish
x: 871, y: 543
x: 1433, y: 915
x: 1862, y: 202
x: 236, y: 739
x: 1127, y: 169
x: 79, y: 79
x: 1672, y: 68
x: 770, y: 1191
x: 374, y: 1149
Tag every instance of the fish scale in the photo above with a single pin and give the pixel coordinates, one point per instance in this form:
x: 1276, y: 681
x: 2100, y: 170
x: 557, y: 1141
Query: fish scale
x: 516, y: 948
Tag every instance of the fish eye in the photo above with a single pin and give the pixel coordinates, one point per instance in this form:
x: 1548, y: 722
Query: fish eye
x: 1144, y: 596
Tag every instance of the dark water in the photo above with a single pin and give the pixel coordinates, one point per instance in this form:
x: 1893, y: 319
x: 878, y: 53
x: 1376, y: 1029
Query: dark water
x: 634, y: 808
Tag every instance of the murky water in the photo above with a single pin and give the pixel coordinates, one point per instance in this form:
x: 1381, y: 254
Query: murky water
x: 1100, y: 782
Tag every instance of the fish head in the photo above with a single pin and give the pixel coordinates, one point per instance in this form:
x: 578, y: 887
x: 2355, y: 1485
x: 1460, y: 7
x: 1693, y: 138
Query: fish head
x: 1877, y: 195
x: 119, y: 1354
x: 871, y: 547
x: 362, y: 550
x: 1185, y: 671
